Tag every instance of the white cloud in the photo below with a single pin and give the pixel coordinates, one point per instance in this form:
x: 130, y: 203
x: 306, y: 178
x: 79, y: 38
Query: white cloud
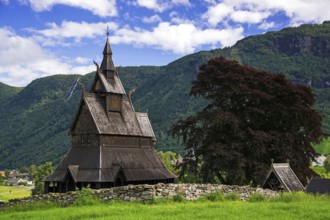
x: 256, y: 11
x: 83, y: 60
x: 181, y: 2
x: 216, y: 14
x: 152, y: 19
x: 248, y: 16
x: 58, y: 34
x: 176, y: 19
x: 180, y: 39
x: 23, y: 60
x: 266, y: 25
x: 160, y: 5
x: 102, y: 8
x: 153, y: 5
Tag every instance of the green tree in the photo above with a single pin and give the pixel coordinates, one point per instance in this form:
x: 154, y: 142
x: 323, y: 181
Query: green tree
x: 327, y: 164
x: 170, y: 160
x: 38, y: 173
x: 7, y: 173
x: 252, y: 117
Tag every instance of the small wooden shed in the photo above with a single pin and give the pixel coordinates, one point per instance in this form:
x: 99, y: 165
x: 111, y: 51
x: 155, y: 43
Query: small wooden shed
x: 281, y: 177
x: 112, y: 145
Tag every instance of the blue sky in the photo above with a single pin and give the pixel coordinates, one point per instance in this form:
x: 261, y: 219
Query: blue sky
x: 45, y: 37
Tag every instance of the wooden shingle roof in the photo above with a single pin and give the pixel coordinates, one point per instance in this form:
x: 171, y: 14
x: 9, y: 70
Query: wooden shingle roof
x: 281, y: 177
x: 94, y: 166
x: 126, y: 122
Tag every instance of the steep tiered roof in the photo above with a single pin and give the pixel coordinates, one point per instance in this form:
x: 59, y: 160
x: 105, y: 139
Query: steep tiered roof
x: 111, y: 143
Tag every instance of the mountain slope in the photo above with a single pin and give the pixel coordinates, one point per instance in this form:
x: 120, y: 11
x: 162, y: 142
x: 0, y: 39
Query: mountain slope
x: 6, y: 92
x: 35, y: 120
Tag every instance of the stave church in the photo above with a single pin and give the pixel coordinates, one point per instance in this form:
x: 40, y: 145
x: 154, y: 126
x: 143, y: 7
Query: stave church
x: 112, y: 145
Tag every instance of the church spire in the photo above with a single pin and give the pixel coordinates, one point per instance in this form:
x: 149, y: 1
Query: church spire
x: 107, y: 63
x: 107, y: 78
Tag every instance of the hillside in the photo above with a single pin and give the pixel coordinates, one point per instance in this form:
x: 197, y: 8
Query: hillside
x: 35, y: 120
x: 7, y: 92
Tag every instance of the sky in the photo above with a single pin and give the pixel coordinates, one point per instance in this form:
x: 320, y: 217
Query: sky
x: 39, y: 38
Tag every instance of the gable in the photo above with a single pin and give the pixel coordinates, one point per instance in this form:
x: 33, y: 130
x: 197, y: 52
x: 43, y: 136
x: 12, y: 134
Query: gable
x: 285, y: 177
x: 109, y: 85
x: 84, y: 123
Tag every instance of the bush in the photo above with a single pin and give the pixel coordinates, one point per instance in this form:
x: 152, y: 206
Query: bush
x: 233, y: 196
x: 288, y: 197
x: 178, y: 198
x: 85, y: 197
x: 257, y: 197
x: 214, y: 196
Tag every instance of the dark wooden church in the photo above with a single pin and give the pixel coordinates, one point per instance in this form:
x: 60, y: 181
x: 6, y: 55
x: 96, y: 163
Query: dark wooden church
x: 112, y: 145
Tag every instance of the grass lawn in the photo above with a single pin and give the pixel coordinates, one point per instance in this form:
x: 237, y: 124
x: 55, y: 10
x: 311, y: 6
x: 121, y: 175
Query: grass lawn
x: 13, y: 192
x: 300, y: 206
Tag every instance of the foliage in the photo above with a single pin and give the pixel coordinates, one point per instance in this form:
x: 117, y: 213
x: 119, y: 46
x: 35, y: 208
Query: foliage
x: 7, y: 173
x: 323, y: 147
x: 253, y: 117
x: 232, y: 196
x: 7, y: 92
x: 39, y: 116
x: 86, y: 198
x: 257, y: 197
x: 170, y: 160
x: 38, y: 173
x: 320, y: 171
x: 178, y: 198
x: 214, y: 196
x: 288, y: 197
x: 2, y: 180
x: 327, y: 164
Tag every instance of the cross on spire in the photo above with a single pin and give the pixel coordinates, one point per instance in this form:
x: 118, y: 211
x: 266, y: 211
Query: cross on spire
x: 107, y: 30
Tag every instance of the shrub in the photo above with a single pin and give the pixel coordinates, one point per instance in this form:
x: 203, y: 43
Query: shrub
x: 85, y: 197
x: 233, y: 196
x: 214, y: 196
x: 288, y: 197
x: 257, y: 197
x: 178, y: 198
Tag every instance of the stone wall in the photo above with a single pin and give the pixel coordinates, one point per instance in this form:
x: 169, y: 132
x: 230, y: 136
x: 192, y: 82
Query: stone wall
x: 147, y: 192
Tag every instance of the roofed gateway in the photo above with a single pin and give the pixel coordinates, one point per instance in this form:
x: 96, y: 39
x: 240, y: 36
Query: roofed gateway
x: 112, y: 145
x: 281, y: 177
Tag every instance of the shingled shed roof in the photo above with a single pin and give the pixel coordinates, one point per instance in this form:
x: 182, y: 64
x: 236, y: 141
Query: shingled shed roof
x: 319, y: 185
x: 281, y: 177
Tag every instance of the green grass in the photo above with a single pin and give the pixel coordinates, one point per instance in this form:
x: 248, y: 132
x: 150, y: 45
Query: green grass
x: 286, y: 206
x: 13, y: 192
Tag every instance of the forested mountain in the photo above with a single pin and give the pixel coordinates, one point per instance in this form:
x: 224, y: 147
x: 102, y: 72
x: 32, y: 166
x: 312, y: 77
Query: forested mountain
x: 35, y: 119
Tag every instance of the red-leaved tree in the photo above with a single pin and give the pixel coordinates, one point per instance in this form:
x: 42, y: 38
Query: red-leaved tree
x: 252, y: 117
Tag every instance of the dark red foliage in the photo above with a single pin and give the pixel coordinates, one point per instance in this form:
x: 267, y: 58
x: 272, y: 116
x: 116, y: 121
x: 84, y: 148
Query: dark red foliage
x: 253, y: 117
